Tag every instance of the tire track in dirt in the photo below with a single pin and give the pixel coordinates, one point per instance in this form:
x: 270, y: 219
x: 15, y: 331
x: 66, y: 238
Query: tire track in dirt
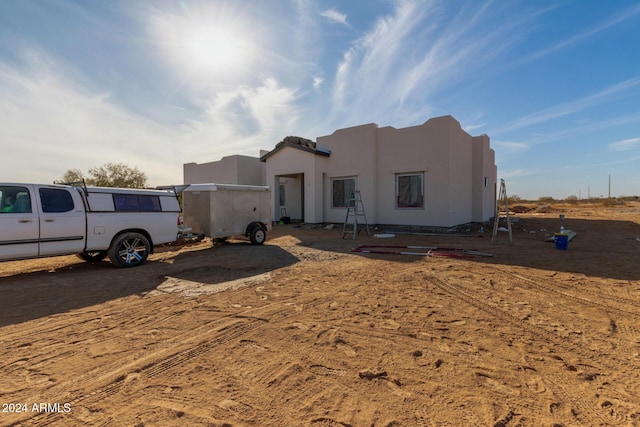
x: 554, y: 286
x: 560, y: 382
x: 573, y: 332
x: 601, y: 415
x: 207, y: 338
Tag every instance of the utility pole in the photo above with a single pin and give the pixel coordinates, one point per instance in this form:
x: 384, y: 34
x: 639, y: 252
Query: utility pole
x: 609, y: 185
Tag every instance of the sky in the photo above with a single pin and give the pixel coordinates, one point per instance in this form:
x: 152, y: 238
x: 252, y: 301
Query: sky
x: 158, y: 83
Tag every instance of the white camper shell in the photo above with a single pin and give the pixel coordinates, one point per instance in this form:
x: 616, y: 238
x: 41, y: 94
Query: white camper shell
x: 220, y: 211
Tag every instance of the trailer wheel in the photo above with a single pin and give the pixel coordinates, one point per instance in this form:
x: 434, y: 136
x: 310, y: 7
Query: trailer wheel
x: 257, y: 235
x: 92, y: 256
x: 129, y: 250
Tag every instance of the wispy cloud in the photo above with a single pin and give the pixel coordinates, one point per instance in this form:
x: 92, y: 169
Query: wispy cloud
x: 43, y: 111
x: 552, y: 113
x: 589, y: 32
x: 625, y: 144
x: 517, y: 173
x: 584, y: 128
x: 335, y: 16
x: 471, y: 128
x: 409, y: 56
x: 509, y: 146
x: 54, y: 124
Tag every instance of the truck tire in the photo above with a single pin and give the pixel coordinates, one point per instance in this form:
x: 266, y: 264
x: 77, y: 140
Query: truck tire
x: 129, y: 250
x: 92, y: 256
x: 257, y: 235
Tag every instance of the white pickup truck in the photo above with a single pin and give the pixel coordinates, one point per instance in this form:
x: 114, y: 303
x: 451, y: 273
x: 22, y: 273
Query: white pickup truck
x: 92, y: 222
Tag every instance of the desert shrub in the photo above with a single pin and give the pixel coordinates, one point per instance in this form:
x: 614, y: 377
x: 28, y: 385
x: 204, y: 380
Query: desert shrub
x: 629, y: 198
x: 573, y: 200
x: 612, y: 201
x: 544, y: 209
x: 520, y: 209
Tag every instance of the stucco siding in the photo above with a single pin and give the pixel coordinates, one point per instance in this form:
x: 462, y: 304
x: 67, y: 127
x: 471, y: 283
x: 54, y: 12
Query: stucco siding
x: 235, y: 169
x: 484, y: 179
x: 460, y: 175
x: 353, y: 154
x: 433, y: 174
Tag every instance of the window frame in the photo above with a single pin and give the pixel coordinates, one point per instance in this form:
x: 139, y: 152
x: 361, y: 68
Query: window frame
x: 421, y: 205
x: 346, y: 194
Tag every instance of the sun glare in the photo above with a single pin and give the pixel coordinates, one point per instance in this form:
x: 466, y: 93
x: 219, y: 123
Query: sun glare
x: 213, y: 50
x: 210, y: 48
x: 207, y: 46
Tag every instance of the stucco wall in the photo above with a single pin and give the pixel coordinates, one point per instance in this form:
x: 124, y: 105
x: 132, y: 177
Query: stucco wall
x: 460, y: 174
x: 235, y: 169
x: 353, y: 154
x: 441, y: 151
x: 452, y: 163
x: 251, y: 171
x: 484, y: 179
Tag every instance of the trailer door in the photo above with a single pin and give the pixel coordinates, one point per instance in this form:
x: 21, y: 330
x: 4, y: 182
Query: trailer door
x: 18, y: 222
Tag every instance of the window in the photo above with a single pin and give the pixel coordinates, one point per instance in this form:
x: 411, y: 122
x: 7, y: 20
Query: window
x: 486, y: 182
x: 136, y: 203
x: 409, y: 191
x: 14, y: 200
x: 281, y: 195
x: 341, y: 189
x: 55, y: 200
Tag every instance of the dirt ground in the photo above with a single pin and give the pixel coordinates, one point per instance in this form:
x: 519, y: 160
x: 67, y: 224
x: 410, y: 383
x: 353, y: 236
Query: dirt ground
x: 304, y: 332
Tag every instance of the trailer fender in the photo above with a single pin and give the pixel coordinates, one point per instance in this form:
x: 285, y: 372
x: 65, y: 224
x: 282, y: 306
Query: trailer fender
x: 250, y: 227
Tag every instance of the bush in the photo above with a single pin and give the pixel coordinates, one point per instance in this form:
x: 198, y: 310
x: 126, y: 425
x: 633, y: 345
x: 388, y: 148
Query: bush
x: 571, y: 200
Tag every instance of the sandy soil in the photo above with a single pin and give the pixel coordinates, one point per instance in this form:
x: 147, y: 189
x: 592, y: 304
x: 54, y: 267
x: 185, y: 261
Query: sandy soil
x: 303, y: 332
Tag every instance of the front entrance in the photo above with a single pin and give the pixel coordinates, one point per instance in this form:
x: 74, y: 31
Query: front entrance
x: 289, y: 197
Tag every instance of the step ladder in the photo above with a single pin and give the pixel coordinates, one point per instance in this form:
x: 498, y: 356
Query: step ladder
x: 501, y: 201
x: 355, y: 209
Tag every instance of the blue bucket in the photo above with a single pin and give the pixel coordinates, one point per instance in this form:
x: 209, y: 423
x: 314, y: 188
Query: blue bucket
x: 562, y: 241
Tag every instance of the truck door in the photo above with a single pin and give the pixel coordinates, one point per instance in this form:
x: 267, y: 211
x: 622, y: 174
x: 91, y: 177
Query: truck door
x: 62, y: 221
x: 18, y: 222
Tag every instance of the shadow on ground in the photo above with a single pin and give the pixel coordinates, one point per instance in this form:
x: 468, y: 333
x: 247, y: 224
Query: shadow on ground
x: 601, y: 248
x: 75, y: 285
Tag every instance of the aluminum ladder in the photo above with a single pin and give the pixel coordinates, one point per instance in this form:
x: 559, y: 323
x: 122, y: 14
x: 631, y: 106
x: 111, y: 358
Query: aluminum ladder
x: 501, y: 201
x: 355, y: 209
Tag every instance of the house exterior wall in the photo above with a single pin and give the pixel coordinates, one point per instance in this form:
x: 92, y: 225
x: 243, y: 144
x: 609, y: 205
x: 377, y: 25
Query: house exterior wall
x: 419, y: 149
x: 250, y: 170
x: 290, y: 161
x: 439, y: 150
x: 235, y: 169
x: 353, y: 154
x: 485, y: 173
x: 458, y: 174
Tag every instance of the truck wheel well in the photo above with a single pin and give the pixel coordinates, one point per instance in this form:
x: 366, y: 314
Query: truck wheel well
x: 135, y: 230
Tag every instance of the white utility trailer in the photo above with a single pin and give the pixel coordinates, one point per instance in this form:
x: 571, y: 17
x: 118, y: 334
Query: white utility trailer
x: 220, y: 211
